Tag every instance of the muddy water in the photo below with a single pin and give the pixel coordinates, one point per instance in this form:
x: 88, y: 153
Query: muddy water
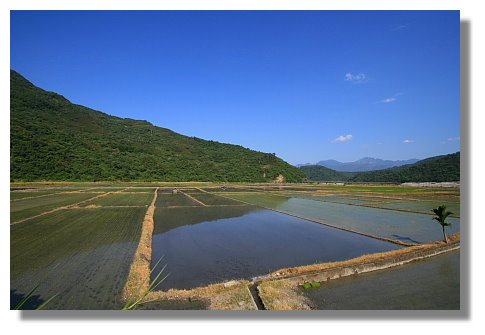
x: 205, y: 245
x: 427, y: 284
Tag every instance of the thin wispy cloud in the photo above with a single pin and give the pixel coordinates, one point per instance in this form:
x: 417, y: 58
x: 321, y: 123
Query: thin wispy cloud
x: 356, y: 78
x: 453, y: 138
x: 402, y: 26
x: 343, y: 138
x: 387, y: 100
x: 408, y: 141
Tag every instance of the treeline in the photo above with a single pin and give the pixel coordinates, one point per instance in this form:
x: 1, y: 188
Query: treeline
x: 322, y: 173
x: 53, y: 139
x: 435, y: 169
x: 444, y: 168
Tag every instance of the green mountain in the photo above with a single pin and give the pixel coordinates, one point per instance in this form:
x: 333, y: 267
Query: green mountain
x: 322, y: 173
x: 444, y: 168
x: 53, y: 139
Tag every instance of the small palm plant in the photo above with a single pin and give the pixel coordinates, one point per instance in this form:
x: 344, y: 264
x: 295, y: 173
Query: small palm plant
x: 441, y: 215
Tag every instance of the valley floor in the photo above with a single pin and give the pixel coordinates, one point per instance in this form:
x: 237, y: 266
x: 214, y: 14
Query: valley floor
x: 93, y: 245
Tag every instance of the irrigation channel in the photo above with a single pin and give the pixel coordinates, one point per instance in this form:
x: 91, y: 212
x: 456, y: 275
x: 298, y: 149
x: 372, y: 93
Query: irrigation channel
x: 221, y: 247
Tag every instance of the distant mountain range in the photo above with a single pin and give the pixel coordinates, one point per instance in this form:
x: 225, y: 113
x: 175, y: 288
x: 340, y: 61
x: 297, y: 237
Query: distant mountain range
x: 362, y: 165
x: 445, y: 168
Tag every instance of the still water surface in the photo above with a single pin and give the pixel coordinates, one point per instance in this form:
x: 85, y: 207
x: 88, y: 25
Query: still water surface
x: 433, y: 283
x: 207, y: 245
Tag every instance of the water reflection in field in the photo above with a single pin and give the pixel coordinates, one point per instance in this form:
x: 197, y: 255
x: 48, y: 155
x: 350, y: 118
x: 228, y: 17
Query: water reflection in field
x: 409, y: 227
x: 211, y: 244
x: 428, y: 284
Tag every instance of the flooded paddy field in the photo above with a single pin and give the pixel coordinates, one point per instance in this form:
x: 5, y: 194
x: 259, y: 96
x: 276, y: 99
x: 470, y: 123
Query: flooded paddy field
x: 214, y: 200
x: 124, y: 199
x: 206, y: 234
x: 229, y: 189
x: 17, y: 195
x: 25, y: 208
x: 80, y: 255
x: 170, y: 200
x: 422, y: 206
x: 140, y: 189
x: 426, y: 284
x: 398, y: 225
x: 207, y: 245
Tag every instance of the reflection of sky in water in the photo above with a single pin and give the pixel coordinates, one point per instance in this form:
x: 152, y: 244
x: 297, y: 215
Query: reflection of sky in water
x: 432, y: 283
x: 380, y: 222
x: 246, y: 245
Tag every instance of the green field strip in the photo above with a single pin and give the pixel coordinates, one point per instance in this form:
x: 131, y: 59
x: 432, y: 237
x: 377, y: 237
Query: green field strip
x: 140, y: 189
x: 214, y: 200
x: 83, y: 255
x: 19, y: 195
x: 179, y: 199
x: 193, y: 191
x: 124, y: 199
x: 24, y: 209
x: 195, y: 199
x: 105, y: 189
x: 15, y: 196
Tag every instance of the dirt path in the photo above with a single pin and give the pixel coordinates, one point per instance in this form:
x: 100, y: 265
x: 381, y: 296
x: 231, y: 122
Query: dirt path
x: 139, y: 276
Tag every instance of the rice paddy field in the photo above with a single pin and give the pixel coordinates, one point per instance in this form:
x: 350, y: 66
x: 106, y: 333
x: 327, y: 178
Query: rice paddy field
x: 428, y: 284
x: 77, y: 243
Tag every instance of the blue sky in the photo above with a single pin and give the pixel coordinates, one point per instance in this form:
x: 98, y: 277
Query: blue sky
x: 306, y: 85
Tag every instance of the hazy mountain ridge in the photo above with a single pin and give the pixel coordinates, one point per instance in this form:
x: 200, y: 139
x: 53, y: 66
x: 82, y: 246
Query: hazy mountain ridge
x: 443, y: 168
x: 362, y: 165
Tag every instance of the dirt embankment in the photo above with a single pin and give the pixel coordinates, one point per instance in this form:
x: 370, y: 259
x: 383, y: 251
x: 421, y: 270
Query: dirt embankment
x: 139, y: 276
x: 278, y: 289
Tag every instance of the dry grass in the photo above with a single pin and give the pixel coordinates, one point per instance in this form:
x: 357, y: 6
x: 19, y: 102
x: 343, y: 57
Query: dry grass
x: 139, y: 275
x: 281, y: 296
x: 231, y: 295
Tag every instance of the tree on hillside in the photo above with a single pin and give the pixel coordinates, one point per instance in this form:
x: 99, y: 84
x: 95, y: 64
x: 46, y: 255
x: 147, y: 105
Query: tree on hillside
x: 441, y: 215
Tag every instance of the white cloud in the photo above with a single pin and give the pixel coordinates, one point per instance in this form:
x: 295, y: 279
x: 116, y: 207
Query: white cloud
x: 385, y: 101
x: 356, y: 78
x: 453, y: 138
x: 408, y: 141
x: 343, y: 138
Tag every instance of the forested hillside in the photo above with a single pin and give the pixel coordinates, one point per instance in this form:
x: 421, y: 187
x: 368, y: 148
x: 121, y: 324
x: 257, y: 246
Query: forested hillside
x: 53, y: 139
x: 435, y: 169
x: 322, y: 173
